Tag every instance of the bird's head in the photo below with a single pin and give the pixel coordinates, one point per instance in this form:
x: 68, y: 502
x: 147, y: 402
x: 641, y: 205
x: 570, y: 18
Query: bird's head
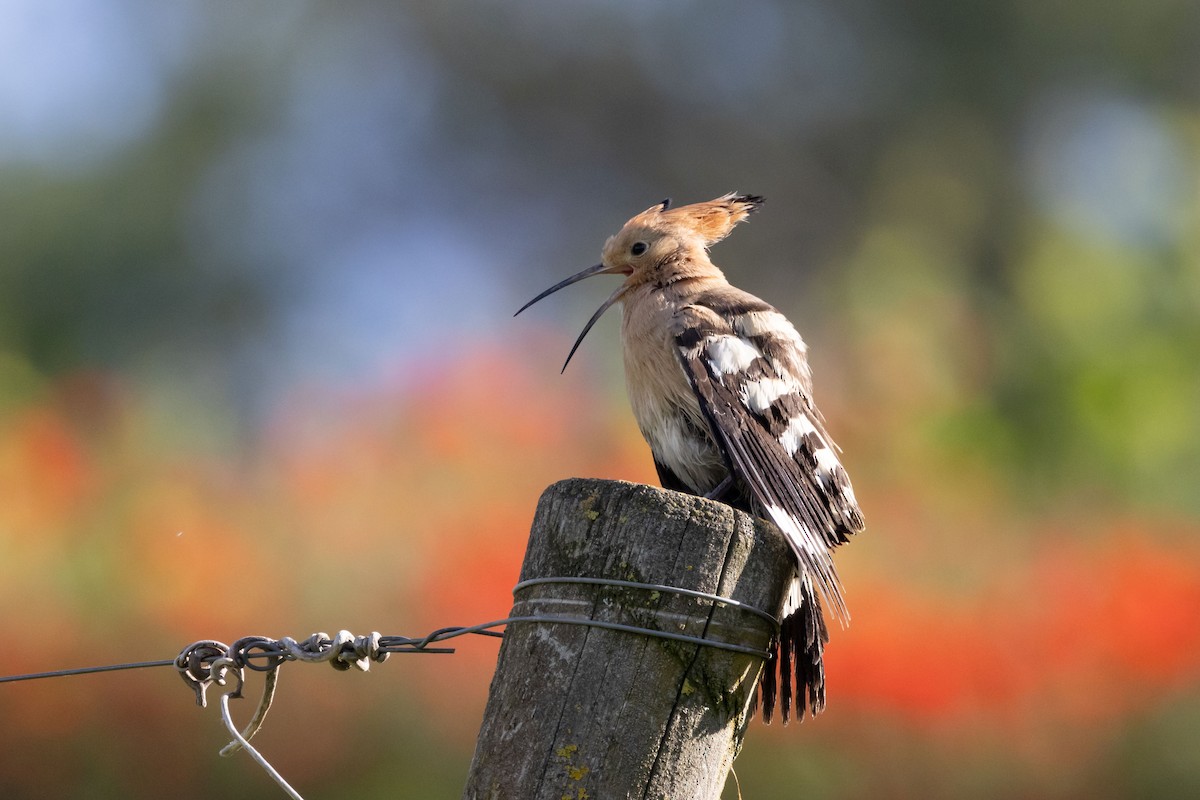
x: 661, y: 246
x: 664, y: 244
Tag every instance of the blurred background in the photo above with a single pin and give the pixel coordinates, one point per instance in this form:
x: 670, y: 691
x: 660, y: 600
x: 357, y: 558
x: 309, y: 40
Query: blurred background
x: 259, y: 372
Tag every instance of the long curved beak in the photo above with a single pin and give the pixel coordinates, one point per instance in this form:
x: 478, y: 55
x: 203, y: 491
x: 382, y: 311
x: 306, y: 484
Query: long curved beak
x: 576, y: 278
x: 587, y: 273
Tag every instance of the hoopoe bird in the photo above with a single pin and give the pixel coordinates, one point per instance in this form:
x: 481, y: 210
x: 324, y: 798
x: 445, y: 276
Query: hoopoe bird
x: 721, y: 389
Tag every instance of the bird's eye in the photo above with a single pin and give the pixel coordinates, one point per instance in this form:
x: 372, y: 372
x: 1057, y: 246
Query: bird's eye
x: 638, y: 248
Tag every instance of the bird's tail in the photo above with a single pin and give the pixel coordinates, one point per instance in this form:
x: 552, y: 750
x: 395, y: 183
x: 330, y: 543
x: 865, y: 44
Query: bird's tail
x: 794, y: 678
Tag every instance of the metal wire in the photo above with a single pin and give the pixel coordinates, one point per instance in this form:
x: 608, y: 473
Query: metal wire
x: 59, y: 673
x: 319, y: 647
x: 655, y: 587
x: 657, y: 634
x: 208, y: 663
x: 244, y: 744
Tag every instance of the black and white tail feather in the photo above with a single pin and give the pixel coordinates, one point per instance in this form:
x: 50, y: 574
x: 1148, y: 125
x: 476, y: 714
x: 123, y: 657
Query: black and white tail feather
x: 747, y: 366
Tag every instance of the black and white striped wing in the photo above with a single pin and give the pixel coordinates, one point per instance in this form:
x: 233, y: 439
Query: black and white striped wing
x: 747, y: 366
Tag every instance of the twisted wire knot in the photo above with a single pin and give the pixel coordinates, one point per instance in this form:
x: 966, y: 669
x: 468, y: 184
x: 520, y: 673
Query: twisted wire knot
x: 343, y: 651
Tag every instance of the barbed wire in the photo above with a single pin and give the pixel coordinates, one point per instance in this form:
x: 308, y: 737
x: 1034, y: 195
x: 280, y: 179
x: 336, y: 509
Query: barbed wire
x: 208, y: 662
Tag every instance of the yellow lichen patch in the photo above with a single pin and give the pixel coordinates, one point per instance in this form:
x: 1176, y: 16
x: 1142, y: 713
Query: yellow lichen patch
x: 566, y: 753
x: 588, y: 506
x: 688, y: 688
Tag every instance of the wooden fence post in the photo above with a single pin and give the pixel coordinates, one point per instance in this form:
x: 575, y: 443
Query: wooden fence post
x: 589, y: 713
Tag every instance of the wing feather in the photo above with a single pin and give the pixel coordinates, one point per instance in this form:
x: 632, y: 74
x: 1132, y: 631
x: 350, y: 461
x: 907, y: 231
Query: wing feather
x: 749, y: 374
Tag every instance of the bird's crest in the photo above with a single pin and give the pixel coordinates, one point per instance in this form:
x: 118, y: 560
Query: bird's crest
x: 641, y: 249
x: 711, y: 220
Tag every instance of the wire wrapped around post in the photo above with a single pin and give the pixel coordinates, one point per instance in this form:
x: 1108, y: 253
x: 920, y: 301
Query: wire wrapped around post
x: 585, y: 704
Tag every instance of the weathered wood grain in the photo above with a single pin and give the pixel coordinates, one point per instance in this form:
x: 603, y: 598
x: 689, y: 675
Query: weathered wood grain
x: 582, y: 712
